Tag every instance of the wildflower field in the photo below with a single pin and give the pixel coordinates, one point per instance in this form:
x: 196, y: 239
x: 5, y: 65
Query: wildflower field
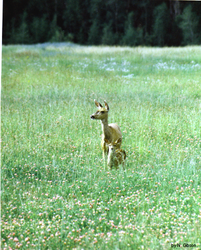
x: 56, y: 192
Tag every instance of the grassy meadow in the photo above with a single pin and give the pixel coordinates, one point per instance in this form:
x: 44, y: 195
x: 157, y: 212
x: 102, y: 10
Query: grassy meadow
x: 56, y: 192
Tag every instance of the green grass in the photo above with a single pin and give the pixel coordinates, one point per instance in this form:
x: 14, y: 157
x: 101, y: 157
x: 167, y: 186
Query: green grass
x: 56, y: 193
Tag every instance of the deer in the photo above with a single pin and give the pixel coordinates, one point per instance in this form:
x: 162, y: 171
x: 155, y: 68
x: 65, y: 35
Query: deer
x: 116, y: 155
x: 111, y: 132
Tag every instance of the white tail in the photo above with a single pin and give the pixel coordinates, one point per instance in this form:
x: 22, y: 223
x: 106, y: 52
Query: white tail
x: 111, y: 132
x: 116, y: 156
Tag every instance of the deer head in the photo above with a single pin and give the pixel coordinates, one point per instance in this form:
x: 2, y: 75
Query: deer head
x: 102, y: 112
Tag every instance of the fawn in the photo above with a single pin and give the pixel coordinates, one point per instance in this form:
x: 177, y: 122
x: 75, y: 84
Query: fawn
x: 111, y: 132
x: 116, y: 156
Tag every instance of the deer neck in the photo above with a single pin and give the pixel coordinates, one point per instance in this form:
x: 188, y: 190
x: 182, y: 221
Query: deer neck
x: 105, y: 128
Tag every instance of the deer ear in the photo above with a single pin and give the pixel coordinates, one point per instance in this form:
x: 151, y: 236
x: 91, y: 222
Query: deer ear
x: 118, y: 141
x: 106, y: 106
x: 106, y: 141
x: 98, y: 104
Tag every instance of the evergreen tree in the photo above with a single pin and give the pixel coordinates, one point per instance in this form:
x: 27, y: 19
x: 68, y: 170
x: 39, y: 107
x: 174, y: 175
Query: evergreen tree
x: 130, y: 36
x: 20, y: 35
x: 56, y: 34
x: 39, y: 29
x: 108, y: 38
x: 189, y: 24
x: 12, y: 33
x: 161, y: 27
x: 97, y: 19
x: 71, y: 18
x: 102, y: 21
x: 94, y: 33
x: 130, y: 33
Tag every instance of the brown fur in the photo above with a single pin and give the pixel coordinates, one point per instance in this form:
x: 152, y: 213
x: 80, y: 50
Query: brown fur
x: 111, y: 132
x: 116, y: 156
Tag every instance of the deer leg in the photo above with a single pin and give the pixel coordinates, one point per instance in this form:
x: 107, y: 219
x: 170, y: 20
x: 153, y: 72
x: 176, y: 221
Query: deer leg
x: 105, y: 153
x: 124, y: 159
x: 105, y: 157
x: 123, y: 165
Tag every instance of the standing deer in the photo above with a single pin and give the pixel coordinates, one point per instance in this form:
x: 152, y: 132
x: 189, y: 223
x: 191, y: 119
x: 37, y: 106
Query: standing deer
x: 111, y: 132
x: 116, y: 155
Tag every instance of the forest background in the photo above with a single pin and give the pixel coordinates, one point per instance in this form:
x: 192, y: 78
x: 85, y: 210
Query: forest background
x: 102, y: 22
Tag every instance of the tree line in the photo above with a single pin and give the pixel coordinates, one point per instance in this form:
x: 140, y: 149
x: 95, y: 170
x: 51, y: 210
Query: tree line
x: 106, y: 22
